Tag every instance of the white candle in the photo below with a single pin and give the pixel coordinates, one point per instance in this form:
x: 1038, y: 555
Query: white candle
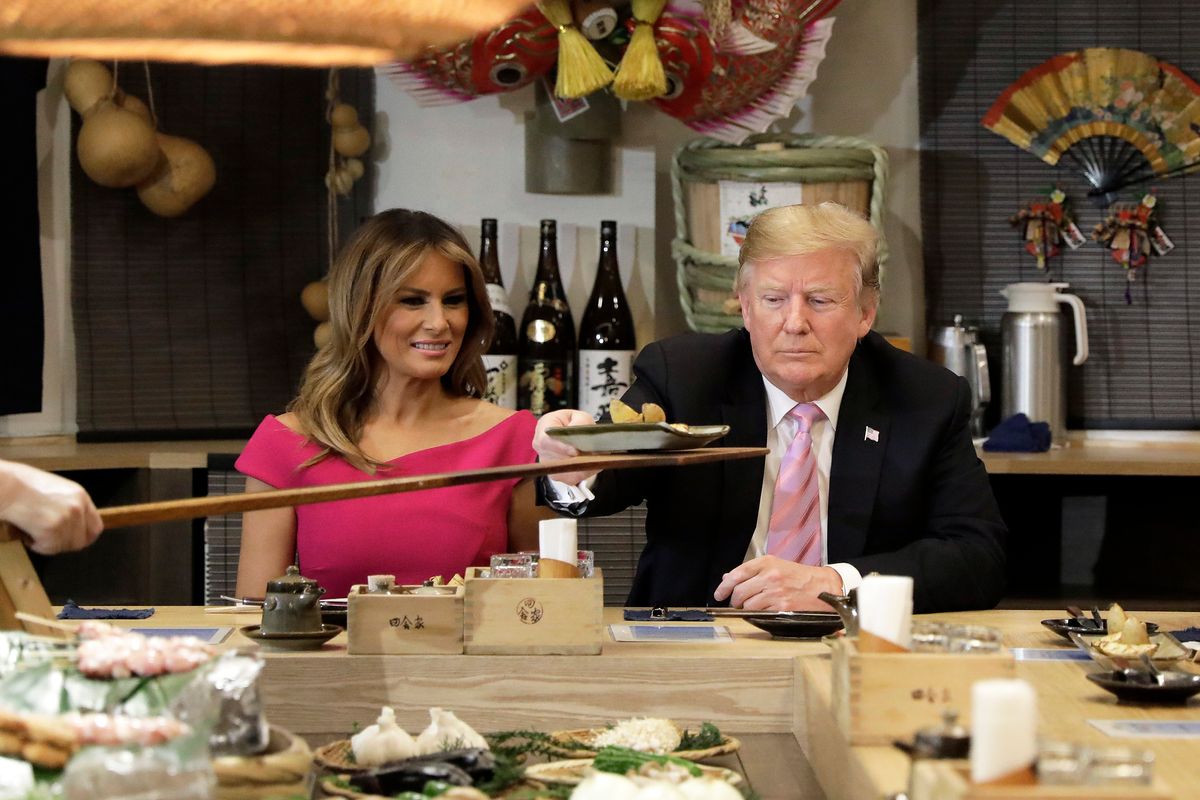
x: 1003, y: 728
x: 885, y: 608
x: 558, y: 539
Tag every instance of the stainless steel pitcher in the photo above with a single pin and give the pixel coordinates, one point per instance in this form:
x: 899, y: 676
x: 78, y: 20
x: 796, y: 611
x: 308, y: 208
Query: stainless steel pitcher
x: 958, y: 349
x: 1035, y: 380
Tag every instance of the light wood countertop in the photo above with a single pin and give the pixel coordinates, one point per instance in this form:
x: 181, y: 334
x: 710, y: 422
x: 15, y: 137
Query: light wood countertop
x: 63, y: 453
x: 755, y: 686
x: 1146, y: 453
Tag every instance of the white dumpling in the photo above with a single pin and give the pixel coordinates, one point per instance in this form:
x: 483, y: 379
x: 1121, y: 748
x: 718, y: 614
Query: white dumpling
x: 447, y: 732
x: 383, y: 742
x: 659, y: 790
x: 605, y: 786
x: 708, y: 789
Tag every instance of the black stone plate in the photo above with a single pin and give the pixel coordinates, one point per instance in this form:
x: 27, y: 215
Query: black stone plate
x: 1066, y: 626
x: 796, y: 624
x: 1175, y: 687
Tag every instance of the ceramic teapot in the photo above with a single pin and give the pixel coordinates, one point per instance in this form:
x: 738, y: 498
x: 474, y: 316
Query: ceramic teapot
x: 291, y: 605
x: 846, y: 605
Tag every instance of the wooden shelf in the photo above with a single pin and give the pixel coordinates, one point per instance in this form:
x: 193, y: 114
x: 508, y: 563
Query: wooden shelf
x: 1150, y: 453
x: 63, y: 453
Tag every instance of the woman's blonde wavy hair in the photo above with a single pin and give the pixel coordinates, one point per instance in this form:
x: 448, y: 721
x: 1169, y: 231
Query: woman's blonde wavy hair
x: 338, y: 388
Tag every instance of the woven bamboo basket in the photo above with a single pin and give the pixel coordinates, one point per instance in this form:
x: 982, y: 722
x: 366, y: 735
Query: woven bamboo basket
x: 282, y: 770
x: 578, y: 743
x: 841, y: 169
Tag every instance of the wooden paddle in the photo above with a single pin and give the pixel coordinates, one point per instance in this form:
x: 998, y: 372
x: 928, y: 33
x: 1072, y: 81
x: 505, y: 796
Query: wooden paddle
x: 20, y: 589
x: 144, y: 513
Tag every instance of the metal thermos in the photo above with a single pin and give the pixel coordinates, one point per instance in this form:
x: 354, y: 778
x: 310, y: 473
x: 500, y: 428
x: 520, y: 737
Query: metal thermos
x: 957, y: 348
x: 1035, y: 380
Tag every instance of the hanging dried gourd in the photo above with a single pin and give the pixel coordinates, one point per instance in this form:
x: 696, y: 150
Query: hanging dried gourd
x: 119, y: 145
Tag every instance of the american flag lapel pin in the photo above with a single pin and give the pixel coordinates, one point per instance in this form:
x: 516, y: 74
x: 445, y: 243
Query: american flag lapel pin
x: 870, y: 435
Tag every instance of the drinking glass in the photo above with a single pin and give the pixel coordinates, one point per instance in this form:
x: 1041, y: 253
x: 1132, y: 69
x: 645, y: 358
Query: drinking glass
x: 587, y: 563
x: 512, y: 565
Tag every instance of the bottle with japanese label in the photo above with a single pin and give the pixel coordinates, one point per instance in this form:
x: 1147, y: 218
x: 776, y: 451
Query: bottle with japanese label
x: 547, y: 351
x: 500, y: 360
x: 606, y: 335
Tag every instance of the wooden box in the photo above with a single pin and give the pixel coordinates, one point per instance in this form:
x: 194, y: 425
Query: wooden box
x: 401, y: 623
x: 881, y: 697
x: 950, y: 780
x: 534, y: 616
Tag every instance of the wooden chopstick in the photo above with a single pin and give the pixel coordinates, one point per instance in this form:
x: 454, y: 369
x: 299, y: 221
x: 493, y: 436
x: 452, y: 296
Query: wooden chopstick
x: 163, y: 511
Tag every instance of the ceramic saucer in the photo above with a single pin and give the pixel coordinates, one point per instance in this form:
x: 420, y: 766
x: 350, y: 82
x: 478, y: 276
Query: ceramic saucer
x: 292, y: 641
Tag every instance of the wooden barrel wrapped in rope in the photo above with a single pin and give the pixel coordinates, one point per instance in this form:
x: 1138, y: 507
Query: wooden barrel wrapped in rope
x: 841, y: 169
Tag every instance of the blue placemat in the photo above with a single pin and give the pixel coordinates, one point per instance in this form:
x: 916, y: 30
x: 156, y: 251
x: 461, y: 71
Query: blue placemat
x: 1049, y: 654
x: 708, y: 634
x: 214, y: 635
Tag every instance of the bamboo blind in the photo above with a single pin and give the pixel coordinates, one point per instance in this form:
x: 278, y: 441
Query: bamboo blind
x: 192, y: 326
x: 1142, y: 368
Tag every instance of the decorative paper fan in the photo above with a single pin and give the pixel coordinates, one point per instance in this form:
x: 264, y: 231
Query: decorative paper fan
x: 1119, y: 116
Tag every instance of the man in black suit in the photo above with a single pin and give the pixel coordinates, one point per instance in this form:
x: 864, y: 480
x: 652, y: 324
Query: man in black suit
x: 901, y: 488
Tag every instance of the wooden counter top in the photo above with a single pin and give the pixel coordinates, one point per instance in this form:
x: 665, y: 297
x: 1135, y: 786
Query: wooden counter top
x: 1148, y: 453
x: 63, y: 453
x: 755, y: 686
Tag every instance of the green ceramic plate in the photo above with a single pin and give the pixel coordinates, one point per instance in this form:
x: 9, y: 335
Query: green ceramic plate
x: 616, y: 438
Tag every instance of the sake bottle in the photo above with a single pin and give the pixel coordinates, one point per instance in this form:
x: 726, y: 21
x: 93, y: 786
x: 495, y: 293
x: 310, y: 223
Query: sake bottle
x: 606, y: 336
x: 500, y: 360
x: 547, y: 351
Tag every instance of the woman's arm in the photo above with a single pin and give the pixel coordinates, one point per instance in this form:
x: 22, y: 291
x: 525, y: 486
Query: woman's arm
x: 523, y: 517
x: 268, y: 545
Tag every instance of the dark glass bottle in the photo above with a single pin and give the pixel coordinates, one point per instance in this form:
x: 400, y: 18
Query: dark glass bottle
x: 547, y: 353
x: 500, y: 360
x: 607, y: 341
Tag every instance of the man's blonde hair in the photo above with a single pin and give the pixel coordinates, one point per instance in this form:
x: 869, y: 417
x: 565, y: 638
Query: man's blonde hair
x: 800, y: 230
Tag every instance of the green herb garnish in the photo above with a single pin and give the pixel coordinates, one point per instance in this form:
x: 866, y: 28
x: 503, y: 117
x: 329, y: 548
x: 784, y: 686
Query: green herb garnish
x: 708, y: 736
x: 623, y: 760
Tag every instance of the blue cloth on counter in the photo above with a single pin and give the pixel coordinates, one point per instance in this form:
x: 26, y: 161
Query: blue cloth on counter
x: 666, y: 615
x: 72, y: 610
x: 1187, y: 635
x: 1018, y: 435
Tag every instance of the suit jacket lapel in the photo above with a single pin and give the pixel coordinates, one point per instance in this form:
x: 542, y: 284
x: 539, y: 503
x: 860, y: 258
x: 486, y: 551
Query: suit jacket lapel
x: 858, y: 448
x: 744, y: 410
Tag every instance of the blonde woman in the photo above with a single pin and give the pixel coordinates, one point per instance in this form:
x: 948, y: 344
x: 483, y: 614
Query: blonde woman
x: 394, y: 392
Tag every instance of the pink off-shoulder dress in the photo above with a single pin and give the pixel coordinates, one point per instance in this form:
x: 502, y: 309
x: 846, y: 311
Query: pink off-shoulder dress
x: 414, y: 535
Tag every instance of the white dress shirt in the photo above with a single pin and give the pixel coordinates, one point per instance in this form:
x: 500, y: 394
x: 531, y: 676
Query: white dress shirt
x: 781, y: 430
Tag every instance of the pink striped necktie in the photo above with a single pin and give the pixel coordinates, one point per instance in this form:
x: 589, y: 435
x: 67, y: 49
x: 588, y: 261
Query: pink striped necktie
x: 794, y: 533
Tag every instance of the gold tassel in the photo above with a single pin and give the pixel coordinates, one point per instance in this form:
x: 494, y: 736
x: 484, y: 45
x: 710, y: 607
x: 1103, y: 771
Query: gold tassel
x: 640, y: 74
x: 581, y: 70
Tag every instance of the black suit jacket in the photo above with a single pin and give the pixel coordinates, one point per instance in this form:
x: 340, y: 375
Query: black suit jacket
x: 916, y: 502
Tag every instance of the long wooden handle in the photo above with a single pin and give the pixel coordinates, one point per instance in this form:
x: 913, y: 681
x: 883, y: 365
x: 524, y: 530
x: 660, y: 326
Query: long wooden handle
x: 145, y: 513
